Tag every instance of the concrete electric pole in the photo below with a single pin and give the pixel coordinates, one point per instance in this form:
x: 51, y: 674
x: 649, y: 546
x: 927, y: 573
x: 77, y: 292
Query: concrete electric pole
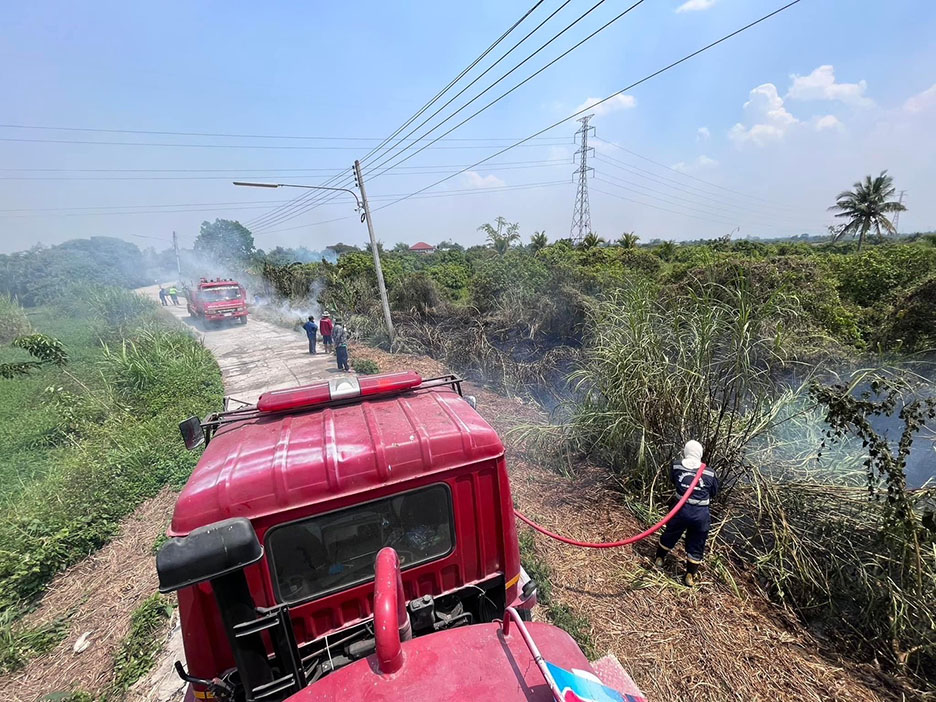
x: 178, y: 261
x: 581, y: 215
x: 373, y: 242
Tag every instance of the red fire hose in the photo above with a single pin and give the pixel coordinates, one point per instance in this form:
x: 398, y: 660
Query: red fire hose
x: 629, y: 539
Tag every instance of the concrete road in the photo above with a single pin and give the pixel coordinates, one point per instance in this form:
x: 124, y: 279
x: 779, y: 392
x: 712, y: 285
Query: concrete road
x: 258, y: 356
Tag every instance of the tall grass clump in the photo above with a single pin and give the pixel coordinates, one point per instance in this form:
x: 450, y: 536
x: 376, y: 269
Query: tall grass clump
x: 13, y: 320
x: 659, y: 370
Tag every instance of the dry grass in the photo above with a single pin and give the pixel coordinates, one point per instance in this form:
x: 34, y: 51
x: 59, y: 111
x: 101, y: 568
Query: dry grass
x: 97, y: 595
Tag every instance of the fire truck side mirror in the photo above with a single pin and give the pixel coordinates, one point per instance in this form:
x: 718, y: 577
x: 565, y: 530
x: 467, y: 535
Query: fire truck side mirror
x: 207, y: 553
x: 192, y: 432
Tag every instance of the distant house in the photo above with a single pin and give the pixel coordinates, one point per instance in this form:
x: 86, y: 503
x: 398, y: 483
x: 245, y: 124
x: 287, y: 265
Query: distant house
x: 422, y: 247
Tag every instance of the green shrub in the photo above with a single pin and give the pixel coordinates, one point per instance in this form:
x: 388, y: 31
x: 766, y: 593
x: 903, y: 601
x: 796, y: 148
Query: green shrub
x: 364, y: 366
x: 911, y: 323
x: 878, y: 273
x: 415, y: 292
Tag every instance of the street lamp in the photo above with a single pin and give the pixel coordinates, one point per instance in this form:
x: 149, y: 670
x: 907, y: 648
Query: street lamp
x: 308, y: 187
x: 361, y: 204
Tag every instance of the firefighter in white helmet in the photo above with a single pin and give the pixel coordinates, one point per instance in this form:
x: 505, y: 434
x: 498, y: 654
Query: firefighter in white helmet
x: 694, y: 519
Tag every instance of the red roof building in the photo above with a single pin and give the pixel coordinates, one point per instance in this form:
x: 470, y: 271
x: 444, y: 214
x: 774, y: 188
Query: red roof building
x: 422, y: 247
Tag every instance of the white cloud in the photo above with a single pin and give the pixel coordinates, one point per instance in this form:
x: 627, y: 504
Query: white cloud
x: 768, y: 118
x: 695, y: 5
x: 618, y: 102
x: 827, y: 122
x: 701, y: 163
x: 921, y: 101
x: 473, y: 179
x: 703, y: 134
x: 821, y: 85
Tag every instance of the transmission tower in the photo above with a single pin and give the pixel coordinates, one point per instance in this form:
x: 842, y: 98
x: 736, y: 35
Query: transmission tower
x: 581, y: 215
x: 897, y: 213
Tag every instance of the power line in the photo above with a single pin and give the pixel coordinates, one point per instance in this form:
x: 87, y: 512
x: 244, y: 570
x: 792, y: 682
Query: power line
x: 692, y: 206
x: 230, y: 146
x: 685, y: 175
x: 515, y: 87
x: 98, y: 130
x: 222, y: 170
x: 546, y: 163
x: 701, y: 195
x: 506, y: 93
x: 610, y: 97
x: 709, y: 219
x: 479, y: 77
x: 664, y: 209
x: 298, y: 211
x: 112, y: 210
x: 311, y: 195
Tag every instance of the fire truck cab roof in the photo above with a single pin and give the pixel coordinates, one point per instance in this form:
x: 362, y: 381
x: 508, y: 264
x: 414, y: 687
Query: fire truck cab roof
x: 269, y: 464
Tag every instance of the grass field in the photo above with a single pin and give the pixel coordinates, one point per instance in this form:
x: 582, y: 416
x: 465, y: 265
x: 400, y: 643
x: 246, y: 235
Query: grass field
x: 83, y: 445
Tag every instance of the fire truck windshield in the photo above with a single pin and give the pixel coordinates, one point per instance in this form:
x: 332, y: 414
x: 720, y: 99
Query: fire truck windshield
x: 334, y: 551
x: 228, y: 292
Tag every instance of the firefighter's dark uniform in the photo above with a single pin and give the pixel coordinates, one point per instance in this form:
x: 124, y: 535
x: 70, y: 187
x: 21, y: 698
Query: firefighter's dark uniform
x: 693, y: 520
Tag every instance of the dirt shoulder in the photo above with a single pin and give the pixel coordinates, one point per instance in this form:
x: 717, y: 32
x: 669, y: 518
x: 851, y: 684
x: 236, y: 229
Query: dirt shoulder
x: 96, y: 597
x: 722, y: 641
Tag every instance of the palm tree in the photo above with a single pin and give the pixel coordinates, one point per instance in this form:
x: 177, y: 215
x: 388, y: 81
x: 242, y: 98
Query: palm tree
x: 628, y: 240
x: 503, y: 236
x: 538, y: 241
x: 666, y: 250
x: 865, y: 207
x: 590, y: 241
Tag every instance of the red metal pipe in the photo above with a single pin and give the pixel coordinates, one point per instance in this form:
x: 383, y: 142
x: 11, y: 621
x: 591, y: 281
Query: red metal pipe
x: 390, y: 616
x: 624, y: 542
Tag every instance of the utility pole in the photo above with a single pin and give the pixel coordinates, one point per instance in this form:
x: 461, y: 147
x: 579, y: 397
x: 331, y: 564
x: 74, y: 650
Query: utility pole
x: 897, y: 213
x: 373, y: 242
x: 178, y: 261
x: 581, y: 215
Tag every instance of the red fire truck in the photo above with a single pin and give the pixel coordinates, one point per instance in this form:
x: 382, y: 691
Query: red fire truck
x: 354, y: 540
x: 217, y: 300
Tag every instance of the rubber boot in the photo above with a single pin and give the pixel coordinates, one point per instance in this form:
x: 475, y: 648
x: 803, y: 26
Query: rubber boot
x: 660, y: 556
x: 691, y: 578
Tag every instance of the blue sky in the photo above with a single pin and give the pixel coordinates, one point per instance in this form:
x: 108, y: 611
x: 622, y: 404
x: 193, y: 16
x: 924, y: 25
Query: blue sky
x: 762, y: 131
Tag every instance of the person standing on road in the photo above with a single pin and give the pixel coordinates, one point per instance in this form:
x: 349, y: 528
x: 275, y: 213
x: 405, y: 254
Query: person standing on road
x: 325, y: 326
x: 162, y: 296
x: 340, y: 339
x: 174, y: 294
x: 310, y: 330
x: 694, y: 519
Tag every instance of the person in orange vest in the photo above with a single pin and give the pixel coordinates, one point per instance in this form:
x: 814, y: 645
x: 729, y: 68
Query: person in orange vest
x: 694, y: 519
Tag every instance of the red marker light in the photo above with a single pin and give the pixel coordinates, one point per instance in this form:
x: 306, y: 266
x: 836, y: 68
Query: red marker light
x: 337, y: 389
x: 292, y: 398
x: 389, y: 382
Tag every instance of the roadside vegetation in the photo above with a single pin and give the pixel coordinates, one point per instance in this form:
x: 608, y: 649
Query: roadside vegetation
x: 637, y: 346
x: 85, y: 439
x: 759, y: 349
